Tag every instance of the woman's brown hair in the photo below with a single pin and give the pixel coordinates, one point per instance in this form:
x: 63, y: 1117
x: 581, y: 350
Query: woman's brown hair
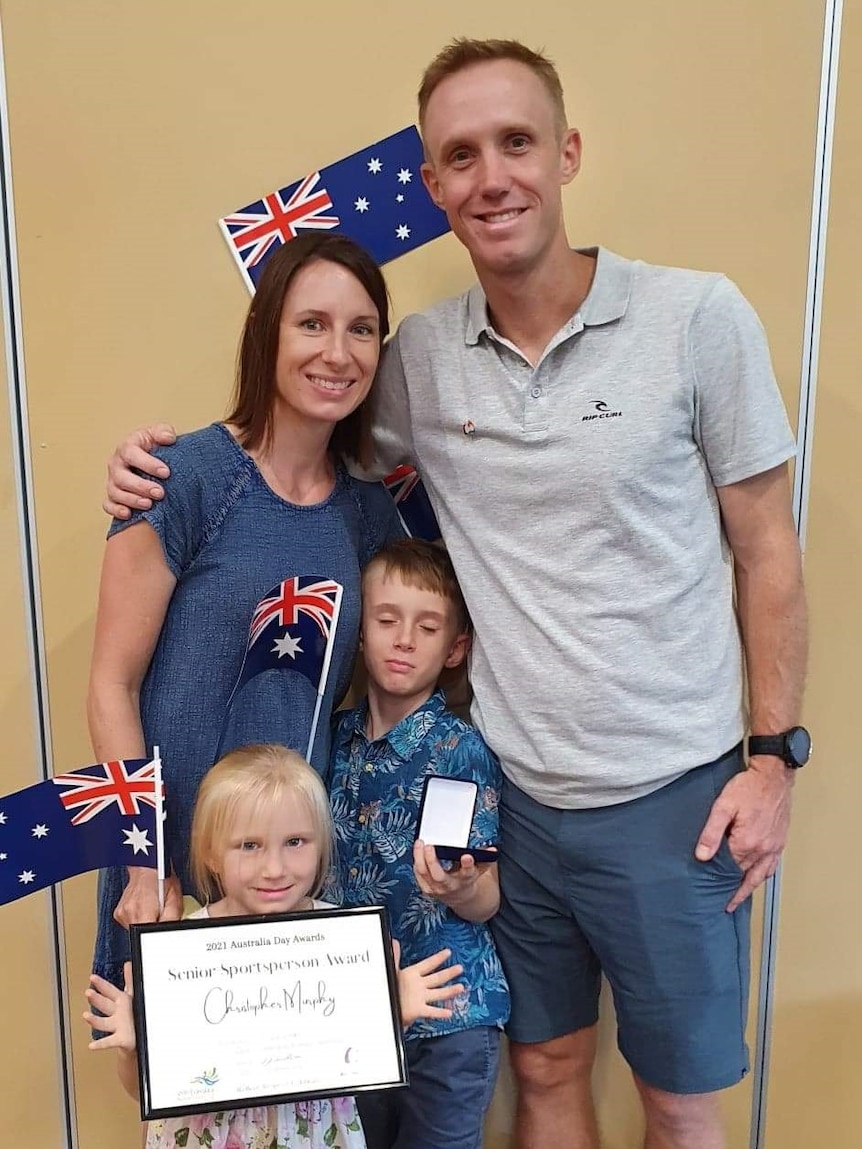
x: 254, y: 390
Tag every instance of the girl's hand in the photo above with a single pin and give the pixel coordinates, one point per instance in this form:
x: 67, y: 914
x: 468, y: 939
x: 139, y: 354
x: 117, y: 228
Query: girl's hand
x: 116, y: 1006
x: 424, y: 983
x: 140, y: 899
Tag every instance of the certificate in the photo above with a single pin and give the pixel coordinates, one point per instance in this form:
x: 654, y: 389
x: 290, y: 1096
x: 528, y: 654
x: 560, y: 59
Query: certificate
x: 238, y: 1012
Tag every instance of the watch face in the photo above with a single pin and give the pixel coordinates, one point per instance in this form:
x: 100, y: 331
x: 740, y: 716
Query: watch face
x: 799, y: 744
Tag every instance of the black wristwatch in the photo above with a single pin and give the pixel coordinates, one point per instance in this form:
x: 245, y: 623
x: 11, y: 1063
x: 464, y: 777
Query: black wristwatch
x: 793, y: 746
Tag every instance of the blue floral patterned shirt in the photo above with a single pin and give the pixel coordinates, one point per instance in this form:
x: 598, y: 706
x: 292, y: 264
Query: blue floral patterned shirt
x: 375, y: 792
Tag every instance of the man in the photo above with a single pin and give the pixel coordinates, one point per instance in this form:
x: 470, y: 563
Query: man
x: 598, y: 437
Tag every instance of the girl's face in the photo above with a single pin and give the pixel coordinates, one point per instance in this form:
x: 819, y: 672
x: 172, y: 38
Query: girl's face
x: 270, y: 860
x: 328, y: 346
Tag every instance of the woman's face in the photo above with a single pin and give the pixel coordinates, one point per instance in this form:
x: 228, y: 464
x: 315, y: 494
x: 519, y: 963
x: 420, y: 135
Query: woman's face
x: 328, y: 346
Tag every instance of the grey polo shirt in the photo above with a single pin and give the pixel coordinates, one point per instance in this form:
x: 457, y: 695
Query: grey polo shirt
x: 578, y: 502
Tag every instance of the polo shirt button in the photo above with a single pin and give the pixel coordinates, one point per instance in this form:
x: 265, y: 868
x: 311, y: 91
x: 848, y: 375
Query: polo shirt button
x: 353, y: 871
x: 536, y: 392
x: 368, y: 767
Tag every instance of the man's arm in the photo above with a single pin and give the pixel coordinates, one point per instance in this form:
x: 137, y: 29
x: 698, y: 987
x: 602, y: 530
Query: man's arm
x: 754, y: 808
x: 126, y: 491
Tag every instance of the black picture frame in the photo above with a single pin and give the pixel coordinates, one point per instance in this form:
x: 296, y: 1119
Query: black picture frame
x: 264, y: 940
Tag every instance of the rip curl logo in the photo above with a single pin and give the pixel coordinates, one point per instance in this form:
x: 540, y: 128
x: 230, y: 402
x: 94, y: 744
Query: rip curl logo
x: 601, y: 410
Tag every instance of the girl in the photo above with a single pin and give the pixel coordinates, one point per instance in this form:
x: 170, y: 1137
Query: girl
x: 262, y: 844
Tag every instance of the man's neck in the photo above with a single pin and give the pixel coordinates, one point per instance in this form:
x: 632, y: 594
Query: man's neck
x: 529, y: 309
x: 385, y: 711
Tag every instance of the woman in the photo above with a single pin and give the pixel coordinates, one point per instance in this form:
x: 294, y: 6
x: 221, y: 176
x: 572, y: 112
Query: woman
x: 253, y: 501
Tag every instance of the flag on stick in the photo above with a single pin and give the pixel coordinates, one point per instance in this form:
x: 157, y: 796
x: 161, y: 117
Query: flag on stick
x: 412, y: 503
x: 375, y: 196
x: 101, y: 815
x: 293, y: 628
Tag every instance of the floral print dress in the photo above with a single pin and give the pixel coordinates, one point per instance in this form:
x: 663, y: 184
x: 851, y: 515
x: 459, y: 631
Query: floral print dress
x: 328, y: 1124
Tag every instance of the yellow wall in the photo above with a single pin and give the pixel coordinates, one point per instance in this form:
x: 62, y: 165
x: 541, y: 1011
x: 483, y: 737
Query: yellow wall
x: 817, y: 1033
x: 135, y: 125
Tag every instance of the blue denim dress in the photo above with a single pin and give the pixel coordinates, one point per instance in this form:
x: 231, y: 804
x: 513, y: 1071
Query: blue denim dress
x: 229, y: 539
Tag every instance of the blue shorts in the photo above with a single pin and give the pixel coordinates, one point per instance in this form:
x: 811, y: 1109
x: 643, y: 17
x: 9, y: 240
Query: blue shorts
x: 452, y: 1080
x: 617, y: 890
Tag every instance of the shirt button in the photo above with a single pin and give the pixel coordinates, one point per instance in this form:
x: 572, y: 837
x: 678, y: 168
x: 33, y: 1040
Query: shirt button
x: 368, y: 767
x: 536, y: 392
x: 353, y: 871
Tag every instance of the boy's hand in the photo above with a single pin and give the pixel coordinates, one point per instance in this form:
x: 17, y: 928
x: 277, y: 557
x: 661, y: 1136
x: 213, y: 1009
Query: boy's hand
x: 423, y: 984
x: 125, y: 488
x: 116, y: 1006
x: 449, y: 886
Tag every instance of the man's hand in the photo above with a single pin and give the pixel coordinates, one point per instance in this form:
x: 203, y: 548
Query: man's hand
x: 115, y: 1007
x: 753, y: 810
x: 140, y: 900
x: 127, y: 491
x: 422, y: 986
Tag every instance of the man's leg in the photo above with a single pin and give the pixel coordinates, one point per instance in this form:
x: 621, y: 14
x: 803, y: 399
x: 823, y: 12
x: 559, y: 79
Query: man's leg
x: 553, y: 976
x: 676, y: 961
x: 555, y: 1103
x: 680, y: 1121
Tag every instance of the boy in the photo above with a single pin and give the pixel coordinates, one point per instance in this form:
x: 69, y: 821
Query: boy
x: 415, y: 625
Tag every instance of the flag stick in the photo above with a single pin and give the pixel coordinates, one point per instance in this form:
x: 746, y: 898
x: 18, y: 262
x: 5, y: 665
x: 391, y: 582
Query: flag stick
x: 160, y: 826
x: 324, y: 672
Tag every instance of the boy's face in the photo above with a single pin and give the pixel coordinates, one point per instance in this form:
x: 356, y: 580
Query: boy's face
x: 497, y: 160
x: 408, y: 636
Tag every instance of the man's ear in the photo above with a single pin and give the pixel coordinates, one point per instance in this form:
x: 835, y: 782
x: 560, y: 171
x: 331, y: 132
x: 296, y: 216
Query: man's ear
x: 458, y: 650
x: 571, y: 148
x: 432, y: 184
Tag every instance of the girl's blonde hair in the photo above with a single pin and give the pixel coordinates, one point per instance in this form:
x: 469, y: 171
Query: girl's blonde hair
x: 244, y: 783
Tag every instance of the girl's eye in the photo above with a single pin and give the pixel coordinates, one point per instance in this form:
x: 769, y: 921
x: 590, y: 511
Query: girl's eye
x: 248, y: 845
x: 429, y: 629
x: 294, y: 842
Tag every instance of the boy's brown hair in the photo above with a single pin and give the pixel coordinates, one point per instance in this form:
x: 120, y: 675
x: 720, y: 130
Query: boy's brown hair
x: 426, y: 566
x: 463, y: 52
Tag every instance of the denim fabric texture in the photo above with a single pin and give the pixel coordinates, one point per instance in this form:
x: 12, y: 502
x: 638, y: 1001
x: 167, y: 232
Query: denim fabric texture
x: 229, y: 539
x: 375, y: 793
x: 452, y: 1082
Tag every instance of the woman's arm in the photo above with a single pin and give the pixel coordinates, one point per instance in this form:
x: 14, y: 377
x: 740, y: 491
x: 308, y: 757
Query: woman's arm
x: 134, y: 594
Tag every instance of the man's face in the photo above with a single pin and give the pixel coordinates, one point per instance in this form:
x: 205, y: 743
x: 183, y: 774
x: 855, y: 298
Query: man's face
x: 497, y: 161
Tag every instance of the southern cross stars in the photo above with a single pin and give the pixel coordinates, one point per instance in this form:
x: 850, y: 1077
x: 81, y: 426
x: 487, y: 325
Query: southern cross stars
x: 405, y: 176
x: 40, y: 831
x: 402, y: 231
x: 361, y: 204
x: 287, y: 645
x: 2, y: 819
x: 27, y: 877
x: 375, y: 166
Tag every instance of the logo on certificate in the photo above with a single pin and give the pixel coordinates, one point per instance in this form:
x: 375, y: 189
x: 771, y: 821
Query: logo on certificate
x: 209, y: 1077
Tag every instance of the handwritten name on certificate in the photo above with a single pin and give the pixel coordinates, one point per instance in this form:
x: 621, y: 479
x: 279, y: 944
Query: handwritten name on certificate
x: 241, y: 1011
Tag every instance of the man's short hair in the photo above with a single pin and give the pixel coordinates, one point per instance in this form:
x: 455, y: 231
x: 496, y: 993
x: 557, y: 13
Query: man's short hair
x: 463, y: 52
x: 426, y: 566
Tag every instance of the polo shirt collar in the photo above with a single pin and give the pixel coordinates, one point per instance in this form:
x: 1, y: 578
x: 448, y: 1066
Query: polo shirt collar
x: 606, y: 301
x: 406, y: 737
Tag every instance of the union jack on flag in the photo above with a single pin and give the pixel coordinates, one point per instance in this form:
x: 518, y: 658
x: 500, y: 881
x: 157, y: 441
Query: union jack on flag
x: 277, y: 218
x: 318, y: 600
x: 412, y: 503
x: 99, y: 816
x: 113, y: 783
x: 375, y: 196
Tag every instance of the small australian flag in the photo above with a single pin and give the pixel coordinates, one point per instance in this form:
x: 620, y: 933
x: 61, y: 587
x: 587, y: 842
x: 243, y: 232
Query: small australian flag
x: 375, y: 196
x: 102, y: 815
